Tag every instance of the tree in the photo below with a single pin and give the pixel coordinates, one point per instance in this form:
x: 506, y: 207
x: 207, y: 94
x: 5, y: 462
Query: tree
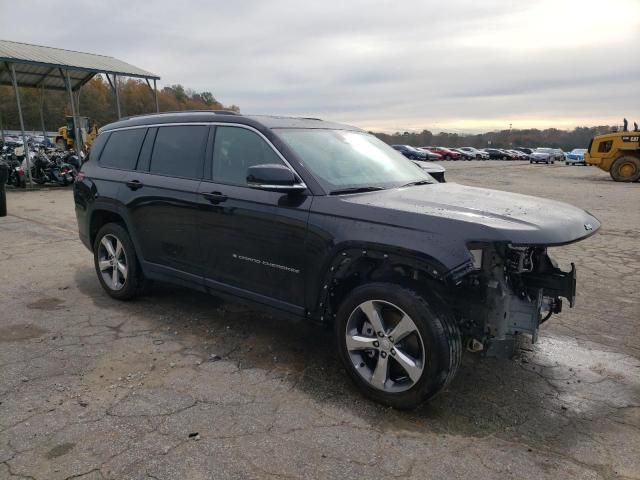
x: 97, y: 102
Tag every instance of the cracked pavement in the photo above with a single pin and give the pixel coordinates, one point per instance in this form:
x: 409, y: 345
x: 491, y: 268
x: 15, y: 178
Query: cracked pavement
x: 179, y: 384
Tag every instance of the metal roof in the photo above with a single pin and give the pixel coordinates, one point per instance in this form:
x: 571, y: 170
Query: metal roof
x: 38, y: 66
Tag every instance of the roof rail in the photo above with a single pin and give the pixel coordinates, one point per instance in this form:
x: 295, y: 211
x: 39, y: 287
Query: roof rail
x: 216, y: 112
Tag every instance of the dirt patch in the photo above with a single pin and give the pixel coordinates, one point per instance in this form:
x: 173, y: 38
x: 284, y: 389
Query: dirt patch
x: 20, y: 331
x: 47, y: 303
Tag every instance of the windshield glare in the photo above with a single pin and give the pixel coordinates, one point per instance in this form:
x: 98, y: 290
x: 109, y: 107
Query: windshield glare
x: 350, y: 159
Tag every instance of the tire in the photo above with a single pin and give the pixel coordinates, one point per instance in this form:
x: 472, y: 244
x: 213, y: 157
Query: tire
x: 625, y: 169
x: 552, y: 162
x: 128, y: 283
x: 531, y: 161
x: 434, y: 344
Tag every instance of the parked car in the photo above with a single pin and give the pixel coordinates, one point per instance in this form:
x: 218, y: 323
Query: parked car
x: 497, y: 154
x: 575, y: 157
x: 436, y: 170
x: 518, y: 155
x: 464, y: 155
x: 410, y: 152
x: 525, y: 150
x: 430, y: 155
x: 559, y: 154
x: 445, y: 153
x: 321, y: 221
x: 543, y: 155
x: 478, y: 154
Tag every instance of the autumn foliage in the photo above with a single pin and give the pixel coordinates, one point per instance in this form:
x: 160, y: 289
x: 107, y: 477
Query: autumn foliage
x: 97, y: 101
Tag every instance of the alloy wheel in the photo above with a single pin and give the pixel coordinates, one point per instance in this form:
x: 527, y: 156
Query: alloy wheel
x: 385, y: 346
x: 112, y: 262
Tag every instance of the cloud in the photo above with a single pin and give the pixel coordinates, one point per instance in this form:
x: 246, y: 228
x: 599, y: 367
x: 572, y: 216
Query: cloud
x: 416, y: 64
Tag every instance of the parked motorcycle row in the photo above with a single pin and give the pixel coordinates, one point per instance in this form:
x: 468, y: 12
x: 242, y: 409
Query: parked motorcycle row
x: 47, y: 164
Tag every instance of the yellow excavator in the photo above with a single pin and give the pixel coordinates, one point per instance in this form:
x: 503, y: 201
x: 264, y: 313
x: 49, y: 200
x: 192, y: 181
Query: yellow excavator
x: 618, y: 153
x: 66, y: 134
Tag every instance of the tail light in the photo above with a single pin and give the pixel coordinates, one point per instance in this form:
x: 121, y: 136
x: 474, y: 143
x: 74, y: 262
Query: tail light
x: 21, y: 173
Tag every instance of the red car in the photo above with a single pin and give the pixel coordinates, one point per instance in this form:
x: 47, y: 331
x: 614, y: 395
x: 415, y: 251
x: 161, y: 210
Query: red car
x: 445, y: 153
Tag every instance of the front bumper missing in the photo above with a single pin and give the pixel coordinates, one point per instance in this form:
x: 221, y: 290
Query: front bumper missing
x: 518, y: 302
x: 554, y: 283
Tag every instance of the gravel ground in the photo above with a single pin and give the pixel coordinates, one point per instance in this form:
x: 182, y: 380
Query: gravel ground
x: 179, y: 385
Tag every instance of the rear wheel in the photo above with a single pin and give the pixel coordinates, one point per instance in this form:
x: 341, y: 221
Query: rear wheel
x: 398, y: 347
x: 625, y: 169
x: 116, y: 263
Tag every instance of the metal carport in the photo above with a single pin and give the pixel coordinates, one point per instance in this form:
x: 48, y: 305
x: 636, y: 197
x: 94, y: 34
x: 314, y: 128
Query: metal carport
x: 36, y: 66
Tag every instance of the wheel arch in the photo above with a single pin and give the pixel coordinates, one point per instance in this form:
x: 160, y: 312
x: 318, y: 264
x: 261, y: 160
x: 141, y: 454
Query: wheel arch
x: 355, y: 265
x: 100, y: 216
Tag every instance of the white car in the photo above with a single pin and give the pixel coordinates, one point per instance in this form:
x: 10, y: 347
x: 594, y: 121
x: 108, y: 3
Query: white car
x: 478, y: 154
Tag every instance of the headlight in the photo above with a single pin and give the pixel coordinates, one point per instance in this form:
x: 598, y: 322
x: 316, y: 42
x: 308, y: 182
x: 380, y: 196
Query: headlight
x: 476, y: 255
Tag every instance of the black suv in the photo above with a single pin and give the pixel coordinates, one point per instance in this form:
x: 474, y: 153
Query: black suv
x: 323, y: 221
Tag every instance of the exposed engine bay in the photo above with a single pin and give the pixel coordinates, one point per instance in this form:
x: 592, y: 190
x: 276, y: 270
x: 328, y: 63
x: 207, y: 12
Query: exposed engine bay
x: 512, y: 291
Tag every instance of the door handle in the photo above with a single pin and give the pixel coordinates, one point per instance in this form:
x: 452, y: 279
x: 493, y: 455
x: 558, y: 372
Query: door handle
x: 215, y: 197
x: 134, y: 184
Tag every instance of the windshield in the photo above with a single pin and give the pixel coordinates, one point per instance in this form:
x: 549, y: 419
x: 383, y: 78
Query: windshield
x: 544, y: 150
x: 579, y: 150
x: 341, y: 159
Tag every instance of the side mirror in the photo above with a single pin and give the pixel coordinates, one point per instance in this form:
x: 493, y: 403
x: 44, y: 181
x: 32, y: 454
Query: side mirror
x: 274, y: 178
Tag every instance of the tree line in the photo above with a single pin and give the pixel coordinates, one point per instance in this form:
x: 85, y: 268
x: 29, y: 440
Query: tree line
x: 567, y: 140
x: 97, y: 101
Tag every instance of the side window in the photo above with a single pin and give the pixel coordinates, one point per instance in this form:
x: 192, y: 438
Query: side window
x: 235, y: 150
x: 605, y: 146
x: 179, y: 151
x: 122, y: 149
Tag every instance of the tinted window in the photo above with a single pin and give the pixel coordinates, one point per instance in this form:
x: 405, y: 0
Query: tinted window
x: 178, y: 151
x: 122, y: 148
x: 235, y: 150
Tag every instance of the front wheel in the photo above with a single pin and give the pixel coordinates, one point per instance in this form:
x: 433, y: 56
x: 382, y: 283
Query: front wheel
x: 398, y: 347
x: 116, y: 263
x: 625, y: 169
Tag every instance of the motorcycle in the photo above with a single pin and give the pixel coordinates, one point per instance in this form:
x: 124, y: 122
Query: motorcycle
x: 44, y: 170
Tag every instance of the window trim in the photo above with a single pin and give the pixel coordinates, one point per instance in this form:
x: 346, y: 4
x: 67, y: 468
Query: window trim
x: 214, y: 124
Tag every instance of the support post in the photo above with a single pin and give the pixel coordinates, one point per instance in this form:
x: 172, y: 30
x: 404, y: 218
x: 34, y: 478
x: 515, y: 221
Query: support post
x: 115, y: 85
x: 24, y: 136
x: 44, y: 130
x: 76, y: 121
x: 155, y: 95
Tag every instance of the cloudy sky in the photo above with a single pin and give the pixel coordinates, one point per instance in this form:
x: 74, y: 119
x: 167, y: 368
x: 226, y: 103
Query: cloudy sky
x: 464, y: 65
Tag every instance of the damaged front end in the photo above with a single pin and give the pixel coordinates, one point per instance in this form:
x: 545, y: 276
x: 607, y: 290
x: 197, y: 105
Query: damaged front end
x: 511, y: 291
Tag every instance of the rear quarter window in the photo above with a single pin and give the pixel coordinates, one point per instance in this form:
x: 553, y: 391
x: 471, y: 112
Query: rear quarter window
x: 122, y: 149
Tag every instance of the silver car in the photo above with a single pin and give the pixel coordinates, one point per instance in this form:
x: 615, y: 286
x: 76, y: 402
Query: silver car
x: 544, y: 155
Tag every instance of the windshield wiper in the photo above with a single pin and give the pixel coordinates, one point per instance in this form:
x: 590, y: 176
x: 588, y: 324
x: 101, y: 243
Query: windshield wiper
x: 417, y: 182
x: 354, y: 190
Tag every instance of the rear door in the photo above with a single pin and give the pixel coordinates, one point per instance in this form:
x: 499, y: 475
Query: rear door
x: 161, y: 200
x: 254, y: 239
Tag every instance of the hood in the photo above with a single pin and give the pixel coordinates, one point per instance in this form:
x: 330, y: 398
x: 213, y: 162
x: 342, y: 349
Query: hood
x: 473, y: 214
x: 539, y: 154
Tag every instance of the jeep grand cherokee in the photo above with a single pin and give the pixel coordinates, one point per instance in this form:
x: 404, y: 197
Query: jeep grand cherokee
x: 323, y: 221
